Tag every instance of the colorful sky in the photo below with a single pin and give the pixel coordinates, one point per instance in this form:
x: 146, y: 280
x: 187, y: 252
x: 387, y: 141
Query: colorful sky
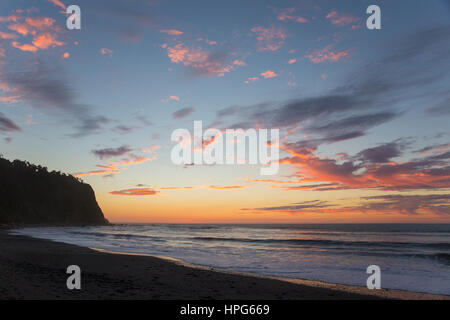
x: 363, y: 114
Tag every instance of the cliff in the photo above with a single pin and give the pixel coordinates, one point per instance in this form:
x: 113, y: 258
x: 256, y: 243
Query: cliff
x: 30, y: 196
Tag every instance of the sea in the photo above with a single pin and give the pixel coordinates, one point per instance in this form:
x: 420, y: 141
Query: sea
x: 412, y: 257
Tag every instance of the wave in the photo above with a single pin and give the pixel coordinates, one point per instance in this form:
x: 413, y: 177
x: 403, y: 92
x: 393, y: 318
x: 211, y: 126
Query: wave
x: 440, y: 245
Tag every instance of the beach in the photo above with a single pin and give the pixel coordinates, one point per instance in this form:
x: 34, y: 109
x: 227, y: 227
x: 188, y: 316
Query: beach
x: 36, y: 269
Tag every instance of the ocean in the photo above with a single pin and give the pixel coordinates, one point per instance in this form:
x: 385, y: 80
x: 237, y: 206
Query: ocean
x: 413, y: 257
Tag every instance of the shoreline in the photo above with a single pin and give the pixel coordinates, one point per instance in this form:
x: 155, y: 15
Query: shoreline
x: 396, y: 294
x: 35, y: 269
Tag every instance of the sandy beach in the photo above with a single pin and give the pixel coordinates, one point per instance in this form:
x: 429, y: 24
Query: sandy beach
x: 35, y: 269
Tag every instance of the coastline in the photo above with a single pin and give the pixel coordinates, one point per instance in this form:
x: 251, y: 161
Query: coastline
x: 33, y: 268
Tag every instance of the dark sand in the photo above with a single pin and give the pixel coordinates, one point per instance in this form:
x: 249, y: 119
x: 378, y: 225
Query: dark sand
x: 36, y: 269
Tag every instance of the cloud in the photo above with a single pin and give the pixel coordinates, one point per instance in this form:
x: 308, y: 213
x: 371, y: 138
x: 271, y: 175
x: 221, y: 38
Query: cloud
x: 182, y: 113
x: 172, y: 32
x: 171, y: 98
x: 269, y: 39
x: 58, y: 3
x: 106, y: 51
x: 111, y: 152
x: 225, y: 187
x: 381, y: 154
x: 135, y: 192
x: 341, y: 19
x: 239, y: 63
x: 210, y: 42
x: 291, y: 61
x: 113, y: 165
x: 251, y: 79
x: 199, y: 60
x: 44, y: 31
x: 419, y: 204
x: 327, y: 55
x: 294, y: 207
x: 46, y: 40
x: 65, y: 55
x: 24, y: 47
x: 156, y: 191
x: 286, y: 15
x: 47, y: 89
x: 8, y: 36
x: 7, y: 125
x: 268, y: 74
x: 96, y: 172
x: 151, y: 149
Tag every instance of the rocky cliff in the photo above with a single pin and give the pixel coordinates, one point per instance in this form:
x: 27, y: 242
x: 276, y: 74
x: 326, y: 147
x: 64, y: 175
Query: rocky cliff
x: 32, y: 196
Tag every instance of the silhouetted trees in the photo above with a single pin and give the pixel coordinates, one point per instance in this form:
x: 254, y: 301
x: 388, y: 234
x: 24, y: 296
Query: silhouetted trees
x: 30, y: 195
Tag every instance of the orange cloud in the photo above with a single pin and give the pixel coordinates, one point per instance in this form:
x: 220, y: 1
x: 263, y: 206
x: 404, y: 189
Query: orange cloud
x: 11, y: 18
x: 269, y: 39
x: 225, y: 187
x: 135, y: 192
x: 291, y: 61
x: 268, y: 74
x: 24, y: 47
x: 172, y: 32
x: 21, y: 28
x: 58, y: 3
x: 40, y: 22
x: 8, y: 36
x: 96, y: 172
x: 325, y: 54
x: 65, y: 55
x: 174, y: 98
x: 46, y: 40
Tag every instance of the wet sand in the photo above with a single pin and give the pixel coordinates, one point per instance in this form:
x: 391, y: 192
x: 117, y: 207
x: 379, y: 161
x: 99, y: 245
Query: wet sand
x: 36, y: 269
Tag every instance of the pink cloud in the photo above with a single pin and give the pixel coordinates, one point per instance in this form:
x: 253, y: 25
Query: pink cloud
x: 239, y: 63
x: 251, y: 79
x: 151, y: 149
x: 171, y: 98
x: 291, y: 61
x: 286, y: 14
x: 8, y: 36
x: 106, y: 51
x: 341, y: 19
x: 268, y: 74
x: 269, y: 39
x: 326, y: 54
x: 199, y: 60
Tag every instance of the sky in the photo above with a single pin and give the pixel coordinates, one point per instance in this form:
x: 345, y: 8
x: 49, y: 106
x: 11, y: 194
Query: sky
x: 362, y: 114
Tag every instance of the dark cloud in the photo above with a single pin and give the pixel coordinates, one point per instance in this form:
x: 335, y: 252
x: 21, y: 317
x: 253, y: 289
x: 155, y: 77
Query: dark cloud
x: 314, y: 204
x: 7, y: 125
x: 346, y: 112
x: 47, y: 89
x: 381, y: 154
x: 409, y: 204
x: 111, y: 152
x: 437, y: 204
x: 182, y: 113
